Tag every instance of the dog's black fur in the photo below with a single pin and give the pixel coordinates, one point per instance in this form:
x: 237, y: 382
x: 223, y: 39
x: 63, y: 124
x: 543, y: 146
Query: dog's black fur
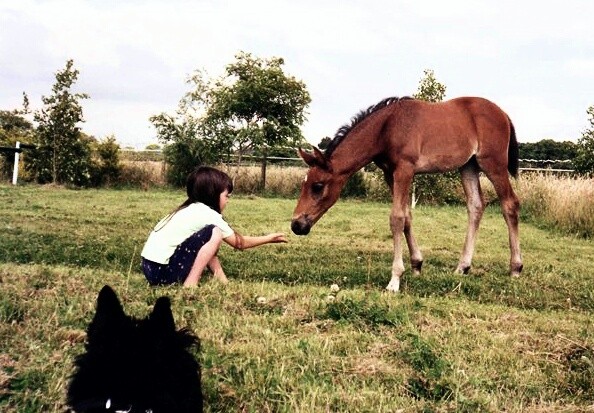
x: 133, y: 365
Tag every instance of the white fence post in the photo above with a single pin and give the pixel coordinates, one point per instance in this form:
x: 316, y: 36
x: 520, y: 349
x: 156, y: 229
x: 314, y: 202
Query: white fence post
x: 15, y: 171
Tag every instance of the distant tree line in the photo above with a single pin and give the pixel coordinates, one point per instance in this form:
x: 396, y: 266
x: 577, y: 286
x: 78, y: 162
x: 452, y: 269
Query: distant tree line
x: 548, y: 149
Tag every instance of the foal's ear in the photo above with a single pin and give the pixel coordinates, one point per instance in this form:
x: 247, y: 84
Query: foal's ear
x: 315, y: 158
x: 162, y: 315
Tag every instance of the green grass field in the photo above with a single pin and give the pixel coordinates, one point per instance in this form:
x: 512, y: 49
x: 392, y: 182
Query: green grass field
x: 478, y: 343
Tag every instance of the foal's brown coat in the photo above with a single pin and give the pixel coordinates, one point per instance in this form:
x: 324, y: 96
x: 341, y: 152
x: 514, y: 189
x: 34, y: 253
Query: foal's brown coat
x: 405, y: 137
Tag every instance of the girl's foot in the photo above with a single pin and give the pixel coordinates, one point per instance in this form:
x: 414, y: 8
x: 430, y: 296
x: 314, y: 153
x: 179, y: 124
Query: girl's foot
x: 220, y: 276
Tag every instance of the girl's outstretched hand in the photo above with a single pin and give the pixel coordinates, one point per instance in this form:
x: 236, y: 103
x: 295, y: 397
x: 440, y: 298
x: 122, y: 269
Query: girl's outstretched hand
x: 277, y: 237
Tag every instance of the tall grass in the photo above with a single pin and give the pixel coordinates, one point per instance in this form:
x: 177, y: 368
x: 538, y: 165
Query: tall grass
x: 565, y: 203
x: 283, y: 181
x: 143, y: 174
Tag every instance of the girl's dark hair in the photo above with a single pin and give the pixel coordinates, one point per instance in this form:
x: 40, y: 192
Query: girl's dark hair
x: 205, y: 185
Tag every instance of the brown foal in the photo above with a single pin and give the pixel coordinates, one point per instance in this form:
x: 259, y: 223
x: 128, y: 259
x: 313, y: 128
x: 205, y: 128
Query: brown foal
x: 404, y: 137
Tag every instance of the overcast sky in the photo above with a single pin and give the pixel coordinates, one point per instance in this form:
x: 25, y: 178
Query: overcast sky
x: 535, y: 59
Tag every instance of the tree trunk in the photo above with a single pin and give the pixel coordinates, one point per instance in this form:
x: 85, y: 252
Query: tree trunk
x: 263, y: 175
x: 54, y: 164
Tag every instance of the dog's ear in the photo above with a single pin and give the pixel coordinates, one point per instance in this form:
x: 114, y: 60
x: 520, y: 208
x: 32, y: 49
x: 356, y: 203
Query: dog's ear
x: 108, y: 304
x: 108, y: 315
x: 162, y: 316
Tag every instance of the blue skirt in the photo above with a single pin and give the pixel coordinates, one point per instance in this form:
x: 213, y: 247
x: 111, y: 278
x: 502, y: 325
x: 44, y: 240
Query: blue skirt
x: 180, y: 262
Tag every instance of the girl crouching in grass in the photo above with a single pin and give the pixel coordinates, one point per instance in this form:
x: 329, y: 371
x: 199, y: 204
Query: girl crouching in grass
x: 187, y: 240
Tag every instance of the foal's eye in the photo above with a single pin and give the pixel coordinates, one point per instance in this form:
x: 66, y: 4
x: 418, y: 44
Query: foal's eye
x: 317, y: 188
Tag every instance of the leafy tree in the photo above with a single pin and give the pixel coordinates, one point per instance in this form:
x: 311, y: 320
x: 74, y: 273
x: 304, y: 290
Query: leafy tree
x: 13, y: 125
x: 186, y: 142
x: 62, y: 156
x: 324, y: 142
x: 253, y: 107
x: 107, y: 167
x: 257, y: 104
x: 153, y: 147
x: 430, y: 89
x: 584, y: 160
x: 433, y: 188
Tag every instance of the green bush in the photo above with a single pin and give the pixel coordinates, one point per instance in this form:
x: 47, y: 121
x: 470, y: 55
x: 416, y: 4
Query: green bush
x: 184, y: 155
x: 429, y: 189
x: 355, y: 186
x: 106, y: 168
x: 438, y: 189
x: 71, y: 166
x: 180, y: 162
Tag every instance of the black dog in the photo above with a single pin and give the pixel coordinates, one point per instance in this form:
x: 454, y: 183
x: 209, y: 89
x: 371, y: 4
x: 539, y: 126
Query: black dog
x: 136, y: 366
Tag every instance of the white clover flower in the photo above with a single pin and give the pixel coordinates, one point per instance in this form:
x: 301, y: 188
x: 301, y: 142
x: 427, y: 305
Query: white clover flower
x: 334, y: 288
x: 261, y: 300
x: 330, y: 298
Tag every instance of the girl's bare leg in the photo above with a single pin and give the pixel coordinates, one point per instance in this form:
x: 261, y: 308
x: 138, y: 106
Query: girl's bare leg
x: 217, y: 270
x: 204, y: 257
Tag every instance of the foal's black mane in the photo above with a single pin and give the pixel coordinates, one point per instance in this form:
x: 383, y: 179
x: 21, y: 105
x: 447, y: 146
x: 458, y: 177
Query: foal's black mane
x: 358, y: 118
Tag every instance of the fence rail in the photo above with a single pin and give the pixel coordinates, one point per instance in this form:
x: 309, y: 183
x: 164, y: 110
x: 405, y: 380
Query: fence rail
x: 288, y: 159
x: 546, y: 168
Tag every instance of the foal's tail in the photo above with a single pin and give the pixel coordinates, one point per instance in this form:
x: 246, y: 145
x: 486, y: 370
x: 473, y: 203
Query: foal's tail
x: 513, y: 152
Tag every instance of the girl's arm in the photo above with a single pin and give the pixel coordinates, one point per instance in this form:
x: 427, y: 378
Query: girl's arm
x: 243, y: 242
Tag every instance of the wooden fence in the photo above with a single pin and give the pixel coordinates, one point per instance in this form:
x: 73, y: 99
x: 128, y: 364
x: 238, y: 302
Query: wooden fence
x: 16, y: 151
x: 542, y: 165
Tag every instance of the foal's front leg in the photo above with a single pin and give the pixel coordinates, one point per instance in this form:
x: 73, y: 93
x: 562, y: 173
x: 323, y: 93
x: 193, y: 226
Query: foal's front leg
x: 400, y: 222
x: 397, y: 227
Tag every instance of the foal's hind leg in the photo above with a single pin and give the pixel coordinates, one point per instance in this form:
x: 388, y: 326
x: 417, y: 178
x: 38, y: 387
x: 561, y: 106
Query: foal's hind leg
x: 510, y: 206
x: 416, y: 258
x: 475, y: 207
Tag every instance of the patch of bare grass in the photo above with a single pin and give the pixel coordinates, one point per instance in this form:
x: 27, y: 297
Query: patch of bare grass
x: 273, y: 340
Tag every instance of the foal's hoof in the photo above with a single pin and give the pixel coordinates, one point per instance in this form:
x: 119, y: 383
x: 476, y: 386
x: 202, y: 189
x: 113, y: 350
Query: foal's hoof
x: 515, y: 274
x: 516, y: 270
x: 416, y: 267
x: 393, y: 286
x: 462, y: 270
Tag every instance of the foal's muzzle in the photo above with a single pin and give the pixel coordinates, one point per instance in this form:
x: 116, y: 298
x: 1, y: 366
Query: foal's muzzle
x: 301, y: 226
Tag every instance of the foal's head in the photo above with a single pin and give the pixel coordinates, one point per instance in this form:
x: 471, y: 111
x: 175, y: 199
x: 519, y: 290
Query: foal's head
x: 319, y: 191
